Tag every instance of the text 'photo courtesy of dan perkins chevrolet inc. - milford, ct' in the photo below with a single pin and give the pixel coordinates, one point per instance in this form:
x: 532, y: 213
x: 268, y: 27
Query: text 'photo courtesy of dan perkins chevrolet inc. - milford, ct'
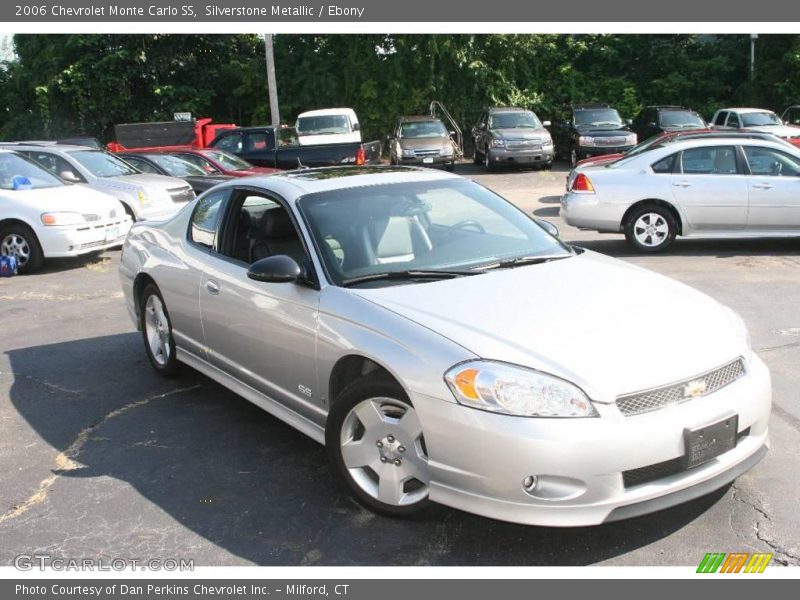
x: 209, y: 10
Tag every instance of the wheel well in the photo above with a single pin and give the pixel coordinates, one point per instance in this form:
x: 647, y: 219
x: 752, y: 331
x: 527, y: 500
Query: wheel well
x: 349, y: 369
x: 5, y: 222
x: 141, y: 281
x: 653, y: 202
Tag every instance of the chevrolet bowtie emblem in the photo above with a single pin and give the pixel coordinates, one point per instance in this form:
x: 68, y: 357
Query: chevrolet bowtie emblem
x: 695, y: 388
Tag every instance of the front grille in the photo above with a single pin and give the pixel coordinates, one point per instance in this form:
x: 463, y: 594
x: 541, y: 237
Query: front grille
x: 660, y: 470
x: 181, y: 194
x: 93, y: 244
x: 434, y: 152
x: 524, y: 144
x: 683, y: 391
x: 610, y: 141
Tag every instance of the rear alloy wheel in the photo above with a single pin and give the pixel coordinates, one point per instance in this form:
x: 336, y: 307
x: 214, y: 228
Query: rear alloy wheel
x: 157, y: 332
x: 20, y: 242
x: 375, y: 444
x: 651, y: 229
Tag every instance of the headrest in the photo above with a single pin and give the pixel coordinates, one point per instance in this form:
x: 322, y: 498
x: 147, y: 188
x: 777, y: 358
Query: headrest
x: 276, y: 223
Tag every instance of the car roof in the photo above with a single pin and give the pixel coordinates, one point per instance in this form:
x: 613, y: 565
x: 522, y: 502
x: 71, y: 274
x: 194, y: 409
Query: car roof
x: 325, y: 111
x: 682, y: 144
x: 294, y: 184
x: 669, y: 107
x: 590, y: 106
x: 418, y: 118
x: 48, y: 147
x: 507, y: 109
x: 747, y: 110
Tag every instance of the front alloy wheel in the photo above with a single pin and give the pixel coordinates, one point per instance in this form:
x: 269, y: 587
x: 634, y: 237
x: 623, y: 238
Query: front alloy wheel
x: 375, y: 442
x: 20, y: 242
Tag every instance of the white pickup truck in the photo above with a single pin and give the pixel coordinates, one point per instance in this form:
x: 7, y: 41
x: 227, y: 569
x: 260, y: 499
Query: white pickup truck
x: 328, y: 126
x: 755, y: 119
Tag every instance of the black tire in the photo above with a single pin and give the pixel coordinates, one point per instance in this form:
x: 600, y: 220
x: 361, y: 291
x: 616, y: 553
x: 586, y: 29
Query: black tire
x: 477, y: 157
x: 450, y: 167
x: 376, y: 385
x: 487, y: 162
x: 167, y: 366
x: 637, y: 236
x: 20, y: 240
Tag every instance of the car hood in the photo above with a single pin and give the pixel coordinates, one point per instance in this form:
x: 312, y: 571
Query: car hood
x: 608, y: 326
x: 591, y: 130
x: 520, y: 133
x: 70, y: 198
x: 424, y: 143
x: 139, y: 181
x: 783, y: 131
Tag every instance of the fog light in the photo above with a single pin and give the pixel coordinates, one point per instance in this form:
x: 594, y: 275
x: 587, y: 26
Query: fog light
x: 529, y: 483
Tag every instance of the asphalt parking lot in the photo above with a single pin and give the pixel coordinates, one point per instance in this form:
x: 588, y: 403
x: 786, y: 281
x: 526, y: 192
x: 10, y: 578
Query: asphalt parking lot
x: 99, y: 457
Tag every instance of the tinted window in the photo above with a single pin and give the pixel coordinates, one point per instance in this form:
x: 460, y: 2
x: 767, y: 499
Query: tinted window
x: 665, y: 165
x: 599, y: 116
x: 514, y: 120
x: 769, y: 162
x: 231, y: 142
x: 719, y: 160
x: 681, y: 118
x: 205, y: 219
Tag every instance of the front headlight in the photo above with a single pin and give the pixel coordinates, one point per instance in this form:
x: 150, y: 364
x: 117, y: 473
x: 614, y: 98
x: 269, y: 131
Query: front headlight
x: 585, y: 140
x: 502, y: 388
x: 497, y: 143
x: 62, y: 218
x: 631, y: 139
x: 408, y: 153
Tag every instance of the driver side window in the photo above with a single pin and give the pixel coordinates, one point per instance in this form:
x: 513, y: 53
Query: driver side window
x: 771, y: 163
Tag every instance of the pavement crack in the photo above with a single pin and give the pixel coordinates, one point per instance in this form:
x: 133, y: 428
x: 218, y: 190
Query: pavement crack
x: 781, y: 555
x: 40, y: 381
x: 66, y: 460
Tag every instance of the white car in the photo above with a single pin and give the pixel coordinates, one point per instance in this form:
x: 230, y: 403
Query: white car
x: 755, y: 119
x: 735, y: 187
x: 144, y: 195
x: 328, y: 126
x: 43, y: 217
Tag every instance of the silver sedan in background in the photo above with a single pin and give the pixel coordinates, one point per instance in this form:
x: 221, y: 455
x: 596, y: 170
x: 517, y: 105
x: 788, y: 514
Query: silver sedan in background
x: 437, y: 340
x: 713, y: 187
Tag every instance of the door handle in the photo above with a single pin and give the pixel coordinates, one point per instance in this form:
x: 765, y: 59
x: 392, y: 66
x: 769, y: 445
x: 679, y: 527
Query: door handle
x: 762, y: 186
x: 683, y: 184
x: 212, y: 287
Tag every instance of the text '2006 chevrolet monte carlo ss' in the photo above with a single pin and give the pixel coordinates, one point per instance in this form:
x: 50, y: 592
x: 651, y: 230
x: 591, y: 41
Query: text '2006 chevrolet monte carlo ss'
x: 437, y: 340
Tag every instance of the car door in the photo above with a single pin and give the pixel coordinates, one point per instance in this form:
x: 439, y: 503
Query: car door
x: 262, y: 334
x: 259, y: 148
x: 710, y: 188
x: 774, y: 189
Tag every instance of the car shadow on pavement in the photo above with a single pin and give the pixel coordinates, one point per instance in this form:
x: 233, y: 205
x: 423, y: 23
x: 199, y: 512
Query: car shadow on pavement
x: 617, y: 247
x: 205, y: 462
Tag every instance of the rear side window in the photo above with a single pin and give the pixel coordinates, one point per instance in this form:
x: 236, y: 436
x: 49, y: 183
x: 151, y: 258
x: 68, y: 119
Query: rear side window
x: 712, y: 160
x: 205, y: 219
x: 665, y: 165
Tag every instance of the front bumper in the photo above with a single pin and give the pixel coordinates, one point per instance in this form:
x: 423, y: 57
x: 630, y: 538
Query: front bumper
x: 590, y: 151
x: 542, y: 155
x: 428, y: 161
x: 75, y: 240
x: 478, y: 460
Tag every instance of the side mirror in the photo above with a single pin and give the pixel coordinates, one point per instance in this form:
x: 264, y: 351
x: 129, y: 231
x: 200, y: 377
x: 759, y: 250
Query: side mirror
x: 547, y: 226
x: 628, y: 121
x: 356, y: 127
x: 546, y: 123
x: 275, y: 269
x: 452, y: 133
x: 69, y: 176
x: 652, y: 124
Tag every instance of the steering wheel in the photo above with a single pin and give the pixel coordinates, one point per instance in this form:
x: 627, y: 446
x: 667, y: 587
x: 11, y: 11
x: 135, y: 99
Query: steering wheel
x: 463, y: 225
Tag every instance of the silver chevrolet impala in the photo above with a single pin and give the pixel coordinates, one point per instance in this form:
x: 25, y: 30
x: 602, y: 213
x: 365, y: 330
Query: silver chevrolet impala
x: 447, y: 348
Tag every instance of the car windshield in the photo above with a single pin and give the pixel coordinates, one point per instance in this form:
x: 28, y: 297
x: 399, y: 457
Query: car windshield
x: 681, y: 118
x: 423, y: 129
x: 598, y: 116
x: 430, y: 226
x: 517, y: 119
x: 323, y: 124
x: 760, y: 119
x: 177, y: 167
x: 228, y: 160
x: 17, y: 172
x: 102, y: 164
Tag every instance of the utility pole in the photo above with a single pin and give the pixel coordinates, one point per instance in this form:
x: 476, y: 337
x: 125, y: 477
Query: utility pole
x: 275, y: 114
x: 753, y: 38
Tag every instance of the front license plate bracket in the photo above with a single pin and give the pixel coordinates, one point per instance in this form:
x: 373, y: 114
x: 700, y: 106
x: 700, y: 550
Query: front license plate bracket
x: 709, y: 441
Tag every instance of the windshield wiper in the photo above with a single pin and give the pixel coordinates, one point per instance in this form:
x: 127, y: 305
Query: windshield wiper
x: 409, y: 274
x: 523, y: 261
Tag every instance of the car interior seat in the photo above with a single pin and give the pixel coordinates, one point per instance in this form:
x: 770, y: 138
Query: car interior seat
x: 278, y: 236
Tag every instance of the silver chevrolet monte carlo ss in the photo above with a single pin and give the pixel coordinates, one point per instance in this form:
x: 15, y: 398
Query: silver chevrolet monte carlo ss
x: 446, y: 347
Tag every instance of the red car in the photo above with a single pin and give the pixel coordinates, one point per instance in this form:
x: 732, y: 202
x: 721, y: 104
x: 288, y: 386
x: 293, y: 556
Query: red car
x: 220, y: 162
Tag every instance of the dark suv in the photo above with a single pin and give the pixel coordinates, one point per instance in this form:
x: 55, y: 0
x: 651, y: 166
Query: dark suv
x: 592, y: 130
x: 655, y: 120
x: 511, y: 136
